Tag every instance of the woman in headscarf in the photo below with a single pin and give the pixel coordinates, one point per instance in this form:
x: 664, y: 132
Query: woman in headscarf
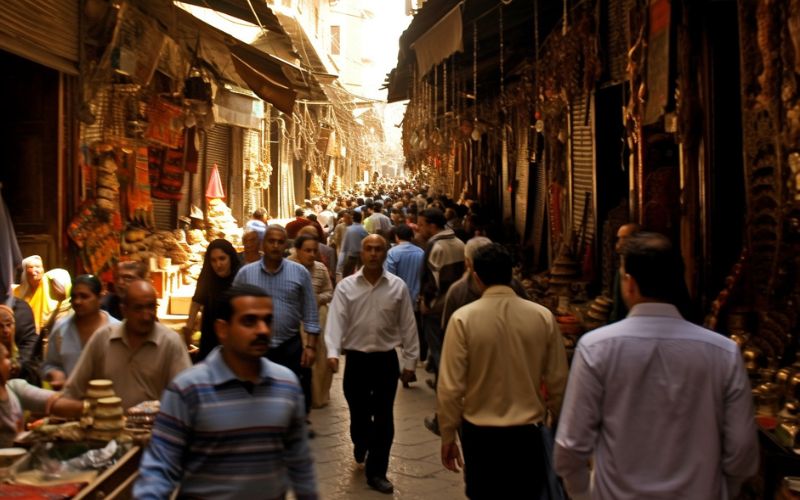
x: 36, y: 288
x: 70, y: 334
x: 220, y: 266
x: 306, y: 251
x: 20, y: 368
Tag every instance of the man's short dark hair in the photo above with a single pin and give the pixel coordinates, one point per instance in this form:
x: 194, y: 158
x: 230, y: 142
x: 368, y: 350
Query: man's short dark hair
x: 356, y: 216
x: 650, y: 259
x: 404, y: 232
x: 492, y: 264
x: 225, y: 302
x: 259, y: 213
x: 299, y: 212
x: 377, y: 206
x: 312, y: 217
x: 434, y: 216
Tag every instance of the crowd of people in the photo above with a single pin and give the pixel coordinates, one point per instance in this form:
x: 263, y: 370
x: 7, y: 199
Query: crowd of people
x: 392, y: 278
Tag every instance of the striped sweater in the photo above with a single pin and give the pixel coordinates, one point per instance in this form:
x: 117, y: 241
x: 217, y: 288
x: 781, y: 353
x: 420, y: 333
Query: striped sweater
x: 220, y: 437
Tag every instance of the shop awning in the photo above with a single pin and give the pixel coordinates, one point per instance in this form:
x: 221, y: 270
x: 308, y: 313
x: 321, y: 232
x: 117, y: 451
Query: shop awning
x: 440, y: 41
x: 265, y: 78
x: 270, y: 78
x: 243, y: 10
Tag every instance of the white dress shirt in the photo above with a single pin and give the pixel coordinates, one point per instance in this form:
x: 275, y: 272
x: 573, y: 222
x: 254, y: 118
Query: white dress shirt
x: 372, y: 318
x: 663, y: 406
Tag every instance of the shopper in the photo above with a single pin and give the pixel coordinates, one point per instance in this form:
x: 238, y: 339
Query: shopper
x: 233, y: 426
x: 220, y: 265
x: 369, y: 317
x: 660, y: 406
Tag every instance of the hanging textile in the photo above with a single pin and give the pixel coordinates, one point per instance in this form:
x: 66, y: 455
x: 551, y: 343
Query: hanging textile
x: 190, y: 147
x: 98, y: 240
x: 165, y: 123
x: 139, y: 201
x: 10, y: 254
x: 166, y: 167
x: 439, y: 42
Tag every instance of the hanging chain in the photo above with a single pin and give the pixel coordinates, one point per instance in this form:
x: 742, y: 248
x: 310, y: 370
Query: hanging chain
x: 475, y: 63
x: 536, y: 54
x: 435, y: 94
x: 444, y: 91
x: 502, y: 62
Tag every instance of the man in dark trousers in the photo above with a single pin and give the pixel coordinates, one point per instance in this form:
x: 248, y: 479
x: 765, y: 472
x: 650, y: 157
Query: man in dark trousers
x: 369, y: 317
x: 444, y: 265
x: 498, y: 353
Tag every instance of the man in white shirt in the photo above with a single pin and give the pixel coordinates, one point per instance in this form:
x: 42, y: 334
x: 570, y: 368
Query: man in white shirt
x: 370, y: 316
x: 662, y: 406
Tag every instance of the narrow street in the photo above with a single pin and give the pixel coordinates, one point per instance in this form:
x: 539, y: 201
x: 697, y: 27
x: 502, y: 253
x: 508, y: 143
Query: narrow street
x: 415, y: 467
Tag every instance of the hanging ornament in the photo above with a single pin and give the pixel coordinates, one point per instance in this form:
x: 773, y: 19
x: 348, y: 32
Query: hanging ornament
x: 476, y: 135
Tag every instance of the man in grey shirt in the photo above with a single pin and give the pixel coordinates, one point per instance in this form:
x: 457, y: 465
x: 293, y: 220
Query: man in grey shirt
x: 662, y: 406
x: 140, y: 356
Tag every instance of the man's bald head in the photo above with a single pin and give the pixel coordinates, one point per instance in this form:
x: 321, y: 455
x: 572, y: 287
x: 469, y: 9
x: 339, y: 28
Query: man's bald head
x: 373, y: 251
x: 139, y: 308
x: 624, y: 232
x: 373, y: 239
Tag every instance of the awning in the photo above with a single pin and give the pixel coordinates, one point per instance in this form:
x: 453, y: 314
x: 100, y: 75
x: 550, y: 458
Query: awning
x: 244, y: 11
x: 267, y: 81
x: 440, y: 41
x: 272, y: 79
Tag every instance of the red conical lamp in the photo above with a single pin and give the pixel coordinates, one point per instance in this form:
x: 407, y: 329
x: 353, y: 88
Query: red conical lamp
x: 214, y: 188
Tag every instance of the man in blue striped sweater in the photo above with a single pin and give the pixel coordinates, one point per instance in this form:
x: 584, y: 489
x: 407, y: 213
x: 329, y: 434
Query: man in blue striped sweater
x: 234, y: 425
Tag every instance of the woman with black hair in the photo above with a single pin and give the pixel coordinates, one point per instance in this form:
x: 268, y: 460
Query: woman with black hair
x: 70, y: 334
x: 220, y: 266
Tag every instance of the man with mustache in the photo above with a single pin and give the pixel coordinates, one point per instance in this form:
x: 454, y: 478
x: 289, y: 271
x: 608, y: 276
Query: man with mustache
x: 232, y: 426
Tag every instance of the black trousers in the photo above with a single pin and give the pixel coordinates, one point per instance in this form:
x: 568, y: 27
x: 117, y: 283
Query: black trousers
x: 370, y: 385
x: 502, y: 462
x: 288, y: 354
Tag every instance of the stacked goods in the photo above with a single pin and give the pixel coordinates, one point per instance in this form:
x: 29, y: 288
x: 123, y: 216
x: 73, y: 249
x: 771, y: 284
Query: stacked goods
x: 99, y: 389
x: 107, y: 420
x: 107, y: 192
x: 565, y: 271
x: 138, y: 244
x: 598, y: 313
x: 221, y: 223
x: 140, y: 418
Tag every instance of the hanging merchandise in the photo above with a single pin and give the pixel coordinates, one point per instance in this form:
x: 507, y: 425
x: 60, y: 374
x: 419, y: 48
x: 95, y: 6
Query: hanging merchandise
x: 96, y: 236
x: 107, y: 189
x: 476, y: 135
x: 165, y: 123
x: 140, y: 204
x: 214, y: 187
x: 190, y: 149
x: 170, y: 180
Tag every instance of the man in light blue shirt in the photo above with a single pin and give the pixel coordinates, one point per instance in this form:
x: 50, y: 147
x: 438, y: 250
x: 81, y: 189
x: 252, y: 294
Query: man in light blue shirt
x: 662, y: 406
x: 350, y: 255
x: 289, y: 285
x: 405, y: 260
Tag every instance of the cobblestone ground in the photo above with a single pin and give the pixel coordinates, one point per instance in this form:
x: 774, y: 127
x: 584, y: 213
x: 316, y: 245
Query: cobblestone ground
x: 415, y: 467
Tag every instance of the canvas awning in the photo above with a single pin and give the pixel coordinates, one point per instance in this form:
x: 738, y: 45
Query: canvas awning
x: 271, y: 79
x: 440, y: 41
x: 243, y: 10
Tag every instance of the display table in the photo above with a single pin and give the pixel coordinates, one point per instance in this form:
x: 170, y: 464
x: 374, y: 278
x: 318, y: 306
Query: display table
x: 166, y: 281
x: 778, y: 462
